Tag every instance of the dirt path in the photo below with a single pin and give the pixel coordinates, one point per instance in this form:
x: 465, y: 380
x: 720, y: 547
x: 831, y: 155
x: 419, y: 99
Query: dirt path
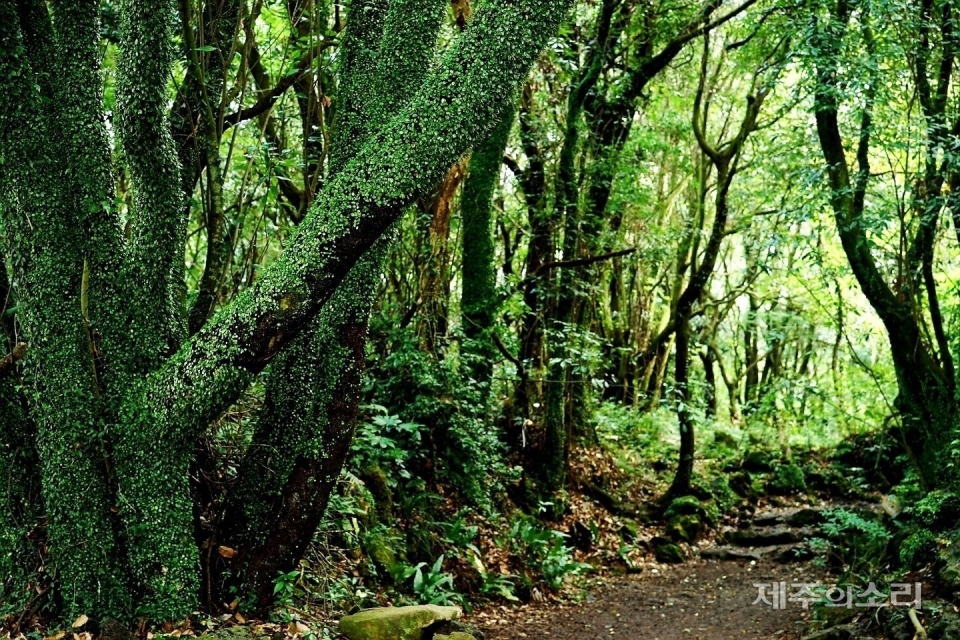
x: 697, y: 600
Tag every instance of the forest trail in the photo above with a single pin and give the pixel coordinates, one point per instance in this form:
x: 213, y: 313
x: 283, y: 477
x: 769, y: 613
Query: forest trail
x: 715, y: 596
x: 697, y: 600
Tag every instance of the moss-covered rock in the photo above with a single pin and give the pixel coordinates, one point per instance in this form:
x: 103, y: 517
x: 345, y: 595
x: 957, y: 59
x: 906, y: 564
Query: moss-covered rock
x: 721, y: 494
x: 394, y: 623
x: 629, y: 530
x: 667, y: 552
x: 937, y: 510
x: 230, y: 633
x: 686, y: 517
x: 745, y: 485
x: 724, y: 439
x: 452, y: 629
x: 918, y: 549
x: 685, y: 527
x: 757, y: 460
x: 787, y: 479
x: 684, y: 505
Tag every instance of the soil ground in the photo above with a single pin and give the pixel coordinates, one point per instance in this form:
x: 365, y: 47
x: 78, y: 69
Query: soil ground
x: 697, y: 600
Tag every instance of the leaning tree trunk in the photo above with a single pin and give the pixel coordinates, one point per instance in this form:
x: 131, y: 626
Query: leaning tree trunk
x: 313, y: 390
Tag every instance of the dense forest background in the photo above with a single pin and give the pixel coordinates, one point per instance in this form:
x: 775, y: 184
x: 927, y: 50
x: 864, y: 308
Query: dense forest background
x: 696, y: 244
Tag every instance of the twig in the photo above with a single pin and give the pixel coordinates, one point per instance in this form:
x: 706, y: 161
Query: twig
x: 506, y: 354
x: 268, y: 98
x: 7, y: 362
x: 921, y: 632
x: 580, y: 262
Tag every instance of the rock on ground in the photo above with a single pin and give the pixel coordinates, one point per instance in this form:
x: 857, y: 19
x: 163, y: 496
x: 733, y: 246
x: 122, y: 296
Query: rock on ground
x: 395, y: 623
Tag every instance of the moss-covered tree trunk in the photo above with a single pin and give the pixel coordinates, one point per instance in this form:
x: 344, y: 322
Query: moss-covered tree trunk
x: 478, y: 302
x: 117, y: 394
x: 313, y: 389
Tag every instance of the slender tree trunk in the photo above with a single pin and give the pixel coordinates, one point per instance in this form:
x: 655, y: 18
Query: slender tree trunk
x: 478, y: 302
x: 684, y: 474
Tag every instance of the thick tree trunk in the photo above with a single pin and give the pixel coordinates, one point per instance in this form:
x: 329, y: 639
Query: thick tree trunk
x: 313, y: 390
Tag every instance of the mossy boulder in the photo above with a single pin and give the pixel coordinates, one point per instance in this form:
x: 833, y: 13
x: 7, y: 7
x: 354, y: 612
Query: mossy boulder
x: 667, y: 552
x: 757, y: 460
x: 629, y: 530
x: 452, y: 630
x: 938, y: 510
x: 724, y: 439
x: 919, y: 548
x: 230, y: 633
x: 395, y: 623
x: 686, y: 517
x: 788, y: 479
x: 721, y: 497
x: 743, y: 483
x: 685, y: 527
x: 684, y: 505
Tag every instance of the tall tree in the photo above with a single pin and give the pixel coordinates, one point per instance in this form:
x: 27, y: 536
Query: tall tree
x: 924, y: 366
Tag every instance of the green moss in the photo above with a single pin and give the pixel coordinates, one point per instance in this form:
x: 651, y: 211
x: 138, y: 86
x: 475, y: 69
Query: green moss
x: 479, y: 297
x: 788, y: 478
x: 19, y: 508
x: 668, y: 552
x: 158, y: 223
x: 938, y: 509
x: 685, y: 527
x: 918, y: 549
x: 47, y: 262
x: 684, y: 505
x: 146, y: 417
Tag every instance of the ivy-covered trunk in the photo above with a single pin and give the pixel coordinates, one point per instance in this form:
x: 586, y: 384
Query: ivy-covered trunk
x: 114, y: 393
x: 313, y: 388
x: 478, y: 302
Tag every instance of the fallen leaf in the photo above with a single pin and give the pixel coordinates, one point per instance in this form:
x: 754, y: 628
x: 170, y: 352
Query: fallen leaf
x: 79, y: 622
x: 297, y: 627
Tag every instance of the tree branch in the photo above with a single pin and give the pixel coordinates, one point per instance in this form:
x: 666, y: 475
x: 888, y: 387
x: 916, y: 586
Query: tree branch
x: 580, y: 262
x: 7, y: 362
x: 268, y: 98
